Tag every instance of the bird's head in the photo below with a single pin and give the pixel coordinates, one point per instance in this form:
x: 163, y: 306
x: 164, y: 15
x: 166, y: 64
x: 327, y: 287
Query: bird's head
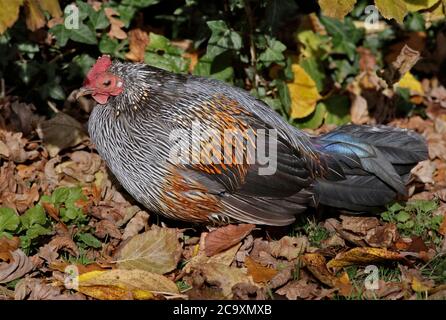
x: 101, y: 82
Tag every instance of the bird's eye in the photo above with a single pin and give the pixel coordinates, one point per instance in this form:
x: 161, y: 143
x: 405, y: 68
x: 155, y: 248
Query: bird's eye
x: 107, y: 82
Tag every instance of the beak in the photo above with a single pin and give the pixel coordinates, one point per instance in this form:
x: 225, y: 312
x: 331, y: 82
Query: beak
x: 84, y: 91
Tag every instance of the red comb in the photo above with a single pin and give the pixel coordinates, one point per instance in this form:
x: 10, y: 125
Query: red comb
x: 101, y: 65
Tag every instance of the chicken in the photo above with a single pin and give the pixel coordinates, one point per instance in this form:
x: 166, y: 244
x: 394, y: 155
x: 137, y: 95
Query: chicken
x: 200, y: 150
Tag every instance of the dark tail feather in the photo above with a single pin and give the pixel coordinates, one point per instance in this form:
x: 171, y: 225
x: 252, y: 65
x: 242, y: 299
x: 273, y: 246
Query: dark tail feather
x: 375, y: 164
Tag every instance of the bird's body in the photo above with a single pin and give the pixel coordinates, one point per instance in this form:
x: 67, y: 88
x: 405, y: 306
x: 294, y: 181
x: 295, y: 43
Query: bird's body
x: 355, y: 167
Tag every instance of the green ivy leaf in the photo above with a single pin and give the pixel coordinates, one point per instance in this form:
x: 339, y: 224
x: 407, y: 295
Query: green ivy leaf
x: 83, y: 35
x: 273, y: 53
x: 8, y: 219
x: 89, y: 240
x: 222, y: 38
x: 61, y: 33
x: 314, y: 70
x: 314, y: 120
x: 33, y: 216
x: 338, y: 110
x: 99, y: 20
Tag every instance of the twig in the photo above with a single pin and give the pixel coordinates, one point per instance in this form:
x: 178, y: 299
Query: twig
x: 252, y: 47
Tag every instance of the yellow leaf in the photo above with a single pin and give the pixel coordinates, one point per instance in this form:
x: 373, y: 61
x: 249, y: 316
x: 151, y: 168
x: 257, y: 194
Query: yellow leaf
x: 34, y: 16
x: 362, y: 255
x: 416, y: 5
x: 392, y: 9
x: 336, y: 9
x: 419, y: 286
x: 303, y: 93
x: 52, y: 6
x: 9, y: 13
x: 408, y: 81
x: 125, y: 284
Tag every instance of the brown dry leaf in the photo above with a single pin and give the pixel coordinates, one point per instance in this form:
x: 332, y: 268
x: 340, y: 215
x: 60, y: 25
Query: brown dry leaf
x: 424, y: 171
x: 258, y: 272
x: 199, y: 255
x: 7, y: 246
x: 282, y: 277
x: 157, y: 250
x: 360, y: 225
x: 13, y: 147
x: 359, y: 110
x: 9, y: 13
x: 138, y: 41
x: 106, y: 228
x: 49, y: 252
x: 299, y: 289
x: 37, y: 289
x: 247, y: 291
x: 226, y: 237
x: 116, y: 25
x: 289, y: 247
x: 406, y: 59
x: 223, y: 276
x: 357, y: 256
x: 34, y: 16
x: 19, y: 265
x: 82, y: 168
x: 60, y: 132
x: 386, y: 290
x: 135, y: 225
x: 126, y: 284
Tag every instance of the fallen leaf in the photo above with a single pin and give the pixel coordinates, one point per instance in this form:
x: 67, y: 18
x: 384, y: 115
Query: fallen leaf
x: 289, y: 247
x: 336, y: 9
x: 199, y: 256
x: 223, y: 276
x: 247, y: 291
x: 7, y: 246
x: 316, y: 264
x: 359, y: 110
x: 138, y: 41
x: 258, y: 272
x: 360, y: 225
x: 303, y: 93
x: 357, y: 256
x: 299, y: 289
x: 405, y: 60
x: 106, y: 228
x: 424, y: 171
x: 19, y: 265
x: 408, y: 81
x: 60, y: 132
x: 9, y: 13
x: 125, y: 284
x: 116, y: 25
x: 157, y: 250
x: 135, y: 225
x: 38, y: 289
x: 226, y: 237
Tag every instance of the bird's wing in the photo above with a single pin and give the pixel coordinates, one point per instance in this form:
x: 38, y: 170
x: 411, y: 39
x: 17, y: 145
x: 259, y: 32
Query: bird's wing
x: 244, y: 185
